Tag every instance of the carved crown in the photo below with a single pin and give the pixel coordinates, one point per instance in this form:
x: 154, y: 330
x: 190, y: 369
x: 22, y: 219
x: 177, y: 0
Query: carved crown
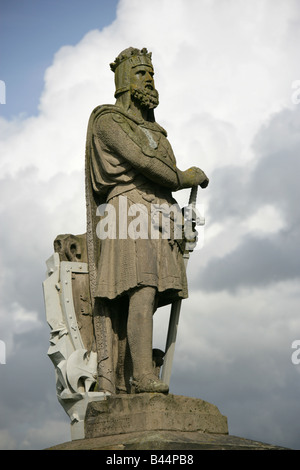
x: 135, y: 56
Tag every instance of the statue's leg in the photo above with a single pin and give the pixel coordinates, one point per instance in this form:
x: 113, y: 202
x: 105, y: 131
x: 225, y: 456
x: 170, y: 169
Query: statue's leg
x: 124, y: 363
x: 140, y: 332
x: 106, y: 344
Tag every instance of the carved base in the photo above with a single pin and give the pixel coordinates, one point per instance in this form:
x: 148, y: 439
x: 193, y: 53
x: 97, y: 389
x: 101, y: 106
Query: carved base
x: 185, y: 442
x: 153, y: 421
x: 152, y: 412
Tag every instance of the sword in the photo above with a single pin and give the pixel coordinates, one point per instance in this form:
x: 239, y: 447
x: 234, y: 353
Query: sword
x: 176, y: 306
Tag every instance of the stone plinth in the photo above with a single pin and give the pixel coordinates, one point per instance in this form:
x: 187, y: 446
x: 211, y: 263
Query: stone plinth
x: 165, y: 440
x: 123, y: 414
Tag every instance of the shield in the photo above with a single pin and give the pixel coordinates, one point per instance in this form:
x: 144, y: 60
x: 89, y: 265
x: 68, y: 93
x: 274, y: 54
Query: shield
x: 69, y: 316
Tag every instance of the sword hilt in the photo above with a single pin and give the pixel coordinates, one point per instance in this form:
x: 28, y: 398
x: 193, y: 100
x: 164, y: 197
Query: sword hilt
x: 193, y: 219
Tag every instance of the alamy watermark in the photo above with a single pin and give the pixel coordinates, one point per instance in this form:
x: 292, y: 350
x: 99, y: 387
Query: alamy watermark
x: 296, y: 354
x: 2, y: 92
x: 2, y: 352
x: 296, y: 94
x: 153, y: 221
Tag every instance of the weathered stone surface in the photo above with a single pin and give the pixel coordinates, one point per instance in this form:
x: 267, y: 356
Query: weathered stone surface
x: 131, y: 168
x: 153, y: 421
x: 103, y: 286
x: 166, y: 440
x: 152, y: 412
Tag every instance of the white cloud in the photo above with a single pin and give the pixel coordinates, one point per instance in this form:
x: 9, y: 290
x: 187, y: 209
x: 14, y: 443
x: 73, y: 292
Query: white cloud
x: 51, y: 432
x: 266, y: 220
x: 24, y: 320
x: 7, y: 442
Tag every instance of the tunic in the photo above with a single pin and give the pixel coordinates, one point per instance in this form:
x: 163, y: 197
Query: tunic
x: 130, y: 166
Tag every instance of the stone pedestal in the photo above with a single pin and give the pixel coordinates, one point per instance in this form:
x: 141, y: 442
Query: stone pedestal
x: 157, y: 422
x: 184, y: 442
x: 152, y: 412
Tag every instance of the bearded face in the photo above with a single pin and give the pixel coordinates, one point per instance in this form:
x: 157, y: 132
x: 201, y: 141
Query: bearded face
x: 142, y: 87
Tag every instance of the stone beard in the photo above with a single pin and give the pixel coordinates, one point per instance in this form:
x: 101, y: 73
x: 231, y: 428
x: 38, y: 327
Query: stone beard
x: 146, y: 98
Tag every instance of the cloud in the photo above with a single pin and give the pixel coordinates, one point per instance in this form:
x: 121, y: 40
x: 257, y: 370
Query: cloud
x: 238, y: 357
x: 262, y: 212
x: 224, y: 72
x: 44, y: 434
x: 7, y: 441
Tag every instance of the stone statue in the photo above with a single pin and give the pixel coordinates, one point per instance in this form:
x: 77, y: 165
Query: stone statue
x: 134, y: 268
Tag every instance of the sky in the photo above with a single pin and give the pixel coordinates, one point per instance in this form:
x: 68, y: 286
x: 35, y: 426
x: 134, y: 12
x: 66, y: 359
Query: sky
x: 228, y: 79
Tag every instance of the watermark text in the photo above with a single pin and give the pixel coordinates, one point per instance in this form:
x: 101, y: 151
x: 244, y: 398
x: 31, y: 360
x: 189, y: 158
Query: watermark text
x: 296, y: 354
x: 2, y: 92
x: 2, y: 352
x: 296, y: 94
x: 153, y: 221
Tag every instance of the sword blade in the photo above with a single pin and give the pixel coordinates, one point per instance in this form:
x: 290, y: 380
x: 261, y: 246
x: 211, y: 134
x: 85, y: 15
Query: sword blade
x: 175, y: 314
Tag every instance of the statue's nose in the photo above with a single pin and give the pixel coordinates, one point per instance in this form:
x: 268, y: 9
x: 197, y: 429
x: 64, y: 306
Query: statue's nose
x: 149, y: 77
